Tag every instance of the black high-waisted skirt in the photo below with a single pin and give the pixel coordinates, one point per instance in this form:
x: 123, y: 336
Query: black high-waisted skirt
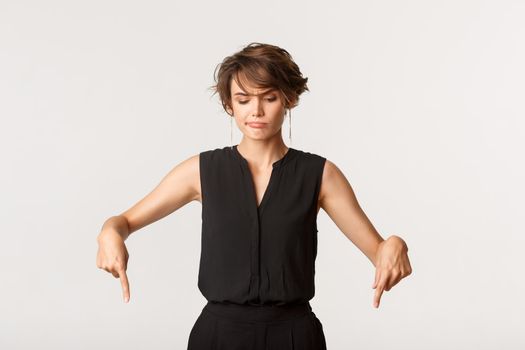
x: 223, y: 326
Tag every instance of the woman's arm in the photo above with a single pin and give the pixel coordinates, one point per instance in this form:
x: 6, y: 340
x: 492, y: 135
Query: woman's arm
x: 179, y: 187
x: 389, y: 256
x: 338, y: 200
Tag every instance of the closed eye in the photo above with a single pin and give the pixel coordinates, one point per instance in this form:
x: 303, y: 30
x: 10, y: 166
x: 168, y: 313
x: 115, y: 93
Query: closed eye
x: 271, y: 99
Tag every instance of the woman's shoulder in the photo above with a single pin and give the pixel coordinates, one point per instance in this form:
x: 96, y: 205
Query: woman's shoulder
x: 227, y: 152
x: 214, y: 150
x: 216, y: 154
x: 311, y: 156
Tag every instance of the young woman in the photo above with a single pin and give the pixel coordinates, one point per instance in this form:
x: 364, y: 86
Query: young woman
x: 260, y: 201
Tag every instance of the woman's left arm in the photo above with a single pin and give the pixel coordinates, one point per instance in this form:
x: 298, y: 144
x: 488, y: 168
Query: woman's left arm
x: 389, y: 256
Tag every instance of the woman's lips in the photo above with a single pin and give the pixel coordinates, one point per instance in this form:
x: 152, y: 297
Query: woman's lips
x: 257, y: 125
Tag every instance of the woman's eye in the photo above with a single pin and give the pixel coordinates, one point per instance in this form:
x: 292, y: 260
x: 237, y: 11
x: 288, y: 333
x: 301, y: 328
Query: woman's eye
x: 271, y: 99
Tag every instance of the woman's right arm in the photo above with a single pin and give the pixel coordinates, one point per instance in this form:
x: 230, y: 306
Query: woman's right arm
x: 179, y: 187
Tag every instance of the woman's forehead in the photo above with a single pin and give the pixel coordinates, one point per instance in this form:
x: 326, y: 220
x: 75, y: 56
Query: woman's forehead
x: 252, y: 90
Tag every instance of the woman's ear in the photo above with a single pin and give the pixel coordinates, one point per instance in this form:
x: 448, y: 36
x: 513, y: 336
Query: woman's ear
x: 293, y: 103
x: 229, y: 110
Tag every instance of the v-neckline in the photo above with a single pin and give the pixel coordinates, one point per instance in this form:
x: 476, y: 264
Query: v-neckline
x: 275, y: 165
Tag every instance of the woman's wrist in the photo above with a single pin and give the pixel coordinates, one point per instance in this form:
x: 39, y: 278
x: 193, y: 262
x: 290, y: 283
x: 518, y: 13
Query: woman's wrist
x: 115, y: 224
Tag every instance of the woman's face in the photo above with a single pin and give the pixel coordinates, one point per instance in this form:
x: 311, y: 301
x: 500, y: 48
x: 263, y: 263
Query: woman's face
x: 259, y: 113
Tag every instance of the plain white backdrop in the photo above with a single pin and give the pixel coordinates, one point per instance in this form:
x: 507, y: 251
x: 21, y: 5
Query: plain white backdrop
x: 419, y: 103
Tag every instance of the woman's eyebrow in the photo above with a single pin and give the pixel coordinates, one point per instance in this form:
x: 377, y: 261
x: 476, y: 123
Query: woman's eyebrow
x: 242, y: 93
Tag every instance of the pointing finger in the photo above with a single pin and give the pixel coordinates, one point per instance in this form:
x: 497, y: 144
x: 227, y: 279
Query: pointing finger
x: 377, y: 295
x: 376, y: 279
x: 125, y: 284
x: 379, y: 290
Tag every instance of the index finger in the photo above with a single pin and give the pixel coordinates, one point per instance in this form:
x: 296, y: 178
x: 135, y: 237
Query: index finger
x: 377, y: 295
x: 125, y: 284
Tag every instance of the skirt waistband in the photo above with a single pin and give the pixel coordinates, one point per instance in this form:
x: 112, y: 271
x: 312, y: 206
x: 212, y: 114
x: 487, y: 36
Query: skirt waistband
x: 254, y: 313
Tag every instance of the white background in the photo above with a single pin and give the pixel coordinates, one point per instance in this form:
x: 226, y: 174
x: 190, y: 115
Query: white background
x: 419, y: 103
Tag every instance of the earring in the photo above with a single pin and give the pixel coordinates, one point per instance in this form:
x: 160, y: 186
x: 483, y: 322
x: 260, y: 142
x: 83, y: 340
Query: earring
x: 231, y: 132
x: 290, y: 126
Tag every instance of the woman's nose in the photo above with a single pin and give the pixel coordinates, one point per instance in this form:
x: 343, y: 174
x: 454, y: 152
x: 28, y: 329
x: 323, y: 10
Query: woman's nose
x: 257, y: 108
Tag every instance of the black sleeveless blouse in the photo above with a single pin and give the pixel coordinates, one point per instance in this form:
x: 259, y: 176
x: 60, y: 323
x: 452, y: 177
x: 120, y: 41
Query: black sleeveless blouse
x: 258, y: 255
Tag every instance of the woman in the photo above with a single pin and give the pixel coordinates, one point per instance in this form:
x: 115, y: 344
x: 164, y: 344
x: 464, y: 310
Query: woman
x: 260, y: 201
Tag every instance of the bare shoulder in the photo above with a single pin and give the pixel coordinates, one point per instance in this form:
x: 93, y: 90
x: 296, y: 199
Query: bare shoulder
x: 190, y: 172
x: 329, y: 170
x: 178, y: 187
x: 333, y: 181
x: 182, y: 183
x: 328, y: 173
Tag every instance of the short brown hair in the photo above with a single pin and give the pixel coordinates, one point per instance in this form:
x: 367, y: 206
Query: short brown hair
x: 267, y: 66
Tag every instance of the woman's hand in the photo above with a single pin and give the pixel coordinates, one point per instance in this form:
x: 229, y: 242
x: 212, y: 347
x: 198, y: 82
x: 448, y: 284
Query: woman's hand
x: 392, y: 265
x: 113, y: 257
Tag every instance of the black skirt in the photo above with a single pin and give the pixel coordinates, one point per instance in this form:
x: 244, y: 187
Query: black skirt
x: 222, y: 326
